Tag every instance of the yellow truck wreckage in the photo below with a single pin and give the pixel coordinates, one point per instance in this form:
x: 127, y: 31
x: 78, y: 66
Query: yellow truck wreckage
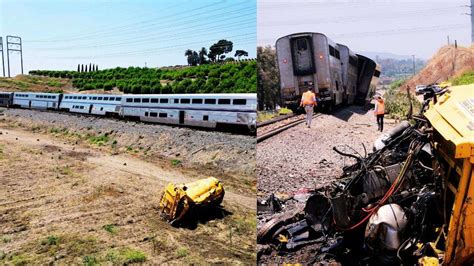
x: 178, y: 199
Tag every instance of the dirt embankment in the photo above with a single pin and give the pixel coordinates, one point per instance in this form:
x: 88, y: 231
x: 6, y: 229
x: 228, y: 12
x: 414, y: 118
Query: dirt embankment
x: 447, y: 63
x: 67, y: 200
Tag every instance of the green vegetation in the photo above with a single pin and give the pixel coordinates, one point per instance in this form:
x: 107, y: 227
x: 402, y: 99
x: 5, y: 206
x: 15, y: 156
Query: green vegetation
x: 238, y: 77
x: 125, y: 256
x: 397, y: 84
x: 175, y: 162
x: 266, y: 115
x: 2, y: 147
x: 31, y: 83
x: 89, y: 260
x: 397, y: 104
x: 50, y: 240
x: 111, y: 228
x: 181, y: 252
x: 100, y: 140
x: 464, y: 79
x: 268, y: 93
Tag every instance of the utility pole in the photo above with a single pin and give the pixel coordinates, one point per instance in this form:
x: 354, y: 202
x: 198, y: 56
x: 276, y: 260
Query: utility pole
x: 414, y: 69
x: 448, y: 40
x: 15, y: 43
x: 3, y: 60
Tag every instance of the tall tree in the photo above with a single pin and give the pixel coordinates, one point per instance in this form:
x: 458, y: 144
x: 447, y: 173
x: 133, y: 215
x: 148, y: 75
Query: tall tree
x: 268, y: 88
x: 86, y: 68
x: 189, y: 54
x: 90, y: 67
x: 82, y: 67
x: 78, y: 68
x: 202, y: 55
x: 220, y: 48
x: 240, y: 53
x: 195, y: 59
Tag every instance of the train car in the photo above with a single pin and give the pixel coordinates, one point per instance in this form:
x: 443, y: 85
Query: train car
x: 97, y: 104
x: 203, y: 110
x: 349, y: 62
x: 34, y: 100
x: 367, y: 79
x: 6, y: 99
x: 309, y: 60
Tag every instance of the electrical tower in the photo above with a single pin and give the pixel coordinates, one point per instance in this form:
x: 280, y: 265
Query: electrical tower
x: 3, y: 59
x: 14, y: 44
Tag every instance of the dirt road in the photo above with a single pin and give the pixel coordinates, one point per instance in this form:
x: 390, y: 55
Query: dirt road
x: 68, y: 203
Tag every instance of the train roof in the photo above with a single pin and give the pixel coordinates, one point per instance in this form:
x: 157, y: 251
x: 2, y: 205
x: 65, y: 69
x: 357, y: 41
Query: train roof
x: 39, y: 93
x: 303, y: 34
x: 197, y: 95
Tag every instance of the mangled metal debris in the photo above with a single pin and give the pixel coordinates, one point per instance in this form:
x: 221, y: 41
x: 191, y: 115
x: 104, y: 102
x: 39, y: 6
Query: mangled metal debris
x: 391, y: 206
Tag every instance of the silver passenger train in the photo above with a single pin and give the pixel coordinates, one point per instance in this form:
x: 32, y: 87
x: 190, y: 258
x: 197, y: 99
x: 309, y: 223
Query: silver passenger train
x: 337, y: 75
x: 200, y: 110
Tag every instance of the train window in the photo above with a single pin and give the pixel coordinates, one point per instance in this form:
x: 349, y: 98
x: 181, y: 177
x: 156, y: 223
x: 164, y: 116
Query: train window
x: 185, y: 101
x: 118, y: 98
x: 152, y: 114
x: 66, y: 97
x: 145, y: 100
x: 82, y: 107
x: 153, y: 100
x: 176, y: 100
x: 100, y: 98
x: 331, y: 50
x: 376, y: 73
x: 301, y: 45
x: 136, y: 100
x: 163, y: 100
x: 146, y: 113
x: 106, y: 98
x: 111, y: 99
x: 163, y: 115
x: 94, y: 98
x: 129, y: 100
x: 337, y: 54
x: 197, y: 101
x: 74, y: 97
x: 223, y: 101
x: 205, y: 117
x: 240, y: 102
x: 210, y: 101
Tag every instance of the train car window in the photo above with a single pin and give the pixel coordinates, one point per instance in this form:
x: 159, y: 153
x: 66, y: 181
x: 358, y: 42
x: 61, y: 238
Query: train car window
x: 154, y: 100
x: 94, y: 98
x: 99, y: 98
x: 152, y: 114
x: 66, y: 97
x: 197, y: 101
x: 301, y: 45
x: 210, y: 101
x: 74, y: 97
x: 223, y: 101
x: 145, y: 100
x: 136, y: 100
x: 129, y: 100
x: 337, y: 54
x: 82, y: 107
x: 331, y: 50
x: 376, y: 73
x: 163, y: 115
x: 146, y: 113
x: 118, y: 98
x: 185, y: 101
x: 240, y: 102
x: 205, y: 118
x: 106, y: 98
x: 163, y: 100
x: 111, y: 99
x: 176, y: 100
x: 84, y: 97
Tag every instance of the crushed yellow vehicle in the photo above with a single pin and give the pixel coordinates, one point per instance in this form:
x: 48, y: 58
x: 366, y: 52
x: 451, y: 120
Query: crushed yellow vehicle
x: 179, y: 199
x: 452, y: 118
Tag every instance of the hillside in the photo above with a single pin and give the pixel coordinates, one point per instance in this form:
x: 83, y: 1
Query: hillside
x: 37, y: 84
x: 239, y: 77
x: 441, y: 67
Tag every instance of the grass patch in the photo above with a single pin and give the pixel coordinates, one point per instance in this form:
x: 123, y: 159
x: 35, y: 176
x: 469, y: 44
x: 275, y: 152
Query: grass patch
x: 2, y: 147
x: 111, y: 228
x: 21, y: 259
x: 50, y: 240
x: 243, y: 225
x: 6, y: 239
x: 100, y: 140
x: 125, y: 256
x: 181, y: 252
x: 54, y: 83
x: 89, y: 260
x: 175, y: 162
x: 464, y: 79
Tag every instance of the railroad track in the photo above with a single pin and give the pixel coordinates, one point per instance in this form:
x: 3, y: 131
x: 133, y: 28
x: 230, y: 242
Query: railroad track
x: 282, y: 128
x: 274, y: 120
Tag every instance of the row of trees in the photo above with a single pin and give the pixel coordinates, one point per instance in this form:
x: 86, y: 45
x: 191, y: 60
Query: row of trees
x: 210, y: 78
x: 217, y: 52
x: 80, y: 68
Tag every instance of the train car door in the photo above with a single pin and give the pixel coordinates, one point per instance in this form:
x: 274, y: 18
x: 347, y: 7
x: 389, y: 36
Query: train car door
x: 302, y: 53
x: 181, y: 117
x: 90, y: 108
x: 29, y: 104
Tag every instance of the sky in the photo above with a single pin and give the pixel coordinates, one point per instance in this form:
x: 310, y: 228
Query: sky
x: 59, y: 34
x: 399, y: 27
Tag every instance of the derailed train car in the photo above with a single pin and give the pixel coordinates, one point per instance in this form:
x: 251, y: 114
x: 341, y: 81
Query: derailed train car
x: 6, y: 99
x: 337, y: 75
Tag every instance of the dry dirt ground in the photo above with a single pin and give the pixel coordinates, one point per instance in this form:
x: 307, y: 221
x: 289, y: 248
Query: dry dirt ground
x: 302, y: 157
x: 64, y: 200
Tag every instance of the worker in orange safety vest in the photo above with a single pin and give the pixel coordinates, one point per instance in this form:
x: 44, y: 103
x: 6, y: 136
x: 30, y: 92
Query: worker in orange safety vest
x: 308, y: 101
x: 379, y: 111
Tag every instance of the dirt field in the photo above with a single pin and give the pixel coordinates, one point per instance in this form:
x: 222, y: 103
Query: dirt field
x: 68, y: 201
x: 303, y: 158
